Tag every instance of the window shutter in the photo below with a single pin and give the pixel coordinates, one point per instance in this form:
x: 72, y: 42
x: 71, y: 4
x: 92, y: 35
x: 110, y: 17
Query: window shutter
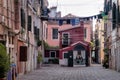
x: 114, y: 16
x: 35, y: 30
x: 23, y: 53
x: 29, y: 23
x: 22, y: 18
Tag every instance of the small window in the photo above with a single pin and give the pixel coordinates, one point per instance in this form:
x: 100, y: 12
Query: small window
x: 65, y: 39
x: 85, y: 33
x: 53, y: 54
x: 55, y: 33
x: 65, y: 55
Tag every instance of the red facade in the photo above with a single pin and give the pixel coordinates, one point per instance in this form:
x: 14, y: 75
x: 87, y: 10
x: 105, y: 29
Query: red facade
x: 74, y: 39
x: 75, y: 34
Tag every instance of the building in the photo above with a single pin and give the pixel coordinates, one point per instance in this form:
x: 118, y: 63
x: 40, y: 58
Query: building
x: 74, y: 50
x: 22, y: 30
x: 99, y: 41
x: 56, y: 26
x: 112, y: 33
x: 7, y: 28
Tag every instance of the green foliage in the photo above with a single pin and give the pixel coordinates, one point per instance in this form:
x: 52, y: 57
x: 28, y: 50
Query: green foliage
x: 39, y: 43
x: 106, y: 50
x: 4, y: 61
x: 106, y: 61
x: 39, y: 57
x: 54, y: 61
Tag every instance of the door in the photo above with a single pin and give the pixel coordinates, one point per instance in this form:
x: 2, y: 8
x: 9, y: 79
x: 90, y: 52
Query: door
x: 70, y: 58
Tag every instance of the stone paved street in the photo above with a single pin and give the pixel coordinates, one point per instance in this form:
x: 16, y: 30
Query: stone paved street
x: 55, y: 72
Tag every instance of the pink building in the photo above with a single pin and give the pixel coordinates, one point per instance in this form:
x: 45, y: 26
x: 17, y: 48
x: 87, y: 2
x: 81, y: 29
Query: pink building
x: 68, y: 37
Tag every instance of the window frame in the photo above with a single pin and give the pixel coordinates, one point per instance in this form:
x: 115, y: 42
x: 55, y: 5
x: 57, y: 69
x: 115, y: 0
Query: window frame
x: 66, y: 52
x: 68, y: 37
x: 53, y: 34
x: 51, y: 52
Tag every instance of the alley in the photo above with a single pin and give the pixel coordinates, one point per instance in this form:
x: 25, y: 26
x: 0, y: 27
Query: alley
x: 55, y: 72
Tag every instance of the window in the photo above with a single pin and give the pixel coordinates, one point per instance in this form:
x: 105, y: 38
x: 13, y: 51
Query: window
x: 29, y: 23
x: 22, y: 18
x: 85, y: 33
x: 114, y: 16
x: 65, y: 40
x: 46, y: 33
x: 65, y: 54
x: 53, y: 54
x: 54, y: 33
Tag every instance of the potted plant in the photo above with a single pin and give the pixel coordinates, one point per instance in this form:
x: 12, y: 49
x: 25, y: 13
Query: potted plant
x: 106, y: 62
x: 39, y: 59
x: 4, y: 62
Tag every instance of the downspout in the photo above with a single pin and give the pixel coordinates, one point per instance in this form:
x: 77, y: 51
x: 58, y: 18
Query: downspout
x: 42, y: 40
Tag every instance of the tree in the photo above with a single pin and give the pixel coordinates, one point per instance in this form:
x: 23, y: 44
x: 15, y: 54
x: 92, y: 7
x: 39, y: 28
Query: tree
x: 4, y: 61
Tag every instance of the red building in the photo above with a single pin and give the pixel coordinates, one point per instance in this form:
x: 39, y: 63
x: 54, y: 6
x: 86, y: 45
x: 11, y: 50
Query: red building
x: 74, y: 50
x: 71, y: 37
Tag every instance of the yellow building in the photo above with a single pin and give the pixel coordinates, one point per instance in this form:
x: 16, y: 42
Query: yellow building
x: 99, y: 38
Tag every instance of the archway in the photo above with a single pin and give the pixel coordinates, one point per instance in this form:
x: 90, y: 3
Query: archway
x: 79, y: 55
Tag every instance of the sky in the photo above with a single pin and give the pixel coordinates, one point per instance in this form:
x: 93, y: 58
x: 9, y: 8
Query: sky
x: 81, y: 8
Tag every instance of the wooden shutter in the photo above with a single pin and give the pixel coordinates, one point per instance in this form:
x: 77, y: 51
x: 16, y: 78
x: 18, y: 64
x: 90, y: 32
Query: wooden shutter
x: 23, y: 53
x: 29, y: 23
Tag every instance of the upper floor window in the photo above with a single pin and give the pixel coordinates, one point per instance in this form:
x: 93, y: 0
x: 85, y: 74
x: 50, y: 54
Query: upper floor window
x: 29, y: 23
x: 85, y: 33
x: 22, y: 18
x: 55, y: 33
x: 114, y: 16
x: 65, y: 39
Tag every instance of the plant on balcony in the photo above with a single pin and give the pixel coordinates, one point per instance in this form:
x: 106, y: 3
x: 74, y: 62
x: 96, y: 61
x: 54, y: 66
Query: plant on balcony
x: 4, y: 62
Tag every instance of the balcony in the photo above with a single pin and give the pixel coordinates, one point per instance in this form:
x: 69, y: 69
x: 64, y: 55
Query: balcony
x: 66, y: 42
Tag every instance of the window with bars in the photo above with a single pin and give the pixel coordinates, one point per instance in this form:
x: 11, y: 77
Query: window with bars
x: 65, y: 40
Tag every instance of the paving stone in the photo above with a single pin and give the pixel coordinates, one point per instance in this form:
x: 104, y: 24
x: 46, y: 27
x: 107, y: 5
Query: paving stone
x: 56, y: 72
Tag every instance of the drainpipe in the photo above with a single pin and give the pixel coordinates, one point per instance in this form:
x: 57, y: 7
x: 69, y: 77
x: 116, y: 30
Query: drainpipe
x: 42, y: 39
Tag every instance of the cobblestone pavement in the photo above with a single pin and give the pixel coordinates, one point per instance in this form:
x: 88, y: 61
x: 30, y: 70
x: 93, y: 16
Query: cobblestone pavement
x: 55, y: 72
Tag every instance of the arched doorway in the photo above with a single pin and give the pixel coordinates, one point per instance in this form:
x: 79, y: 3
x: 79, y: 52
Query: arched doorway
x: 79, y: 55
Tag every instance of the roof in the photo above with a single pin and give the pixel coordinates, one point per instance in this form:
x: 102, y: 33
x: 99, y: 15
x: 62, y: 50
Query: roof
x: 70, y: 16
x: 85, y: 43
x: 69, y: 28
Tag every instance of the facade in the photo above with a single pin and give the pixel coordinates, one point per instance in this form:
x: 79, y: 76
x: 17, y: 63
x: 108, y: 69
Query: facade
x: 34, y: 26
x: 54, y: 34
x: 99, y: 41
x: 21, y: 30
x: 52, y: 38
x: 112, y: 33
x: 7, y: 27
x: 74, y: 50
